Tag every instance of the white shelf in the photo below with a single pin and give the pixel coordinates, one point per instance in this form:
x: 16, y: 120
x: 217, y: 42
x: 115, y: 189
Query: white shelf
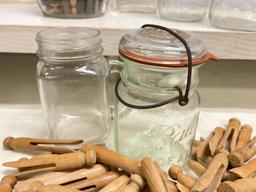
x: 20, y: 22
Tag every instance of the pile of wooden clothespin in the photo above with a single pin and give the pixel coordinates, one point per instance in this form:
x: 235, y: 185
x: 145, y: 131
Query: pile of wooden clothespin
x: 91, y: 168
x: 223, y: 162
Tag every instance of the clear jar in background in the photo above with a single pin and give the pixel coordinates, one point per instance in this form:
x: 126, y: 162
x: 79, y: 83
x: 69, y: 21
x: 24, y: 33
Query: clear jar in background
x: 140, y: 6
x: 183, y: 10
x: 235, y: 14
x: 73, y: 8
x: 72, y: 75
x: 154, y: 64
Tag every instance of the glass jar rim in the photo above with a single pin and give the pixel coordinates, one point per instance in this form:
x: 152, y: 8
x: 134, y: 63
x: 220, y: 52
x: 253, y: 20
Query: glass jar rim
x: 62, y: 34
x: 68, y: 43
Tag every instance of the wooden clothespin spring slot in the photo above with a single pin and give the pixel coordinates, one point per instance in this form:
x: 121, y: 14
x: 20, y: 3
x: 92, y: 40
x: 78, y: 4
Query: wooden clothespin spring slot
x: 61, y: 162
x: 24, y: 144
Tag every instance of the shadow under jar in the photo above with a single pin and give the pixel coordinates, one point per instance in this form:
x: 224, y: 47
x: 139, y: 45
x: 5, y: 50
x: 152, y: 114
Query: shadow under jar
x: 155, y: 63
x: 235, y: 14
x: 72, y: 8
x: 183, y: 10
x: 72, y: 75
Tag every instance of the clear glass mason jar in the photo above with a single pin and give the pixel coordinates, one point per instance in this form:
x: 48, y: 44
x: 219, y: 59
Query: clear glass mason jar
x: 235, y: 14
x: 183, y: 10
x: 141, y: 6
x: 155, y: 63
x: 72, y: 8
x: 71, y: 75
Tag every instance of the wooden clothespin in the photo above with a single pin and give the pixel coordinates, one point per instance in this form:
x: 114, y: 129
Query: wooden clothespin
x: 239, y: 157
x: 38, y: 186
x: 52, y: 162
x: 94, y: 183
x: 196, y: 167
x: 212, y: 177
x: 7, y: 183
x: 136, y: 184
x: 75, y: 179
x: 170, y: 185
x: 182, y: 188
x: 55, y: 8
x: 25, y: 144
x: 176, y: 173
x: 73, y: 5
x: 152, y: 175
x: 232, y: 132
x: 117, y: 185
x: 114, y: 159
x: 241, y: 185
x: 244, y: 136
x: 246, y: 170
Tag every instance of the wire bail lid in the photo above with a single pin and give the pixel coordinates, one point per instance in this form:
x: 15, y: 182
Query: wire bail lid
x: 157, y: 47
x: 183, y: 98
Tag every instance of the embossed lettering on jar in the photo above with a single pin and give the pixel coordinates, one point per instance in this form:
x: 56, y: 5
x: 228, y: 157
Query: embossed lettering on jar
x: 155, y: 62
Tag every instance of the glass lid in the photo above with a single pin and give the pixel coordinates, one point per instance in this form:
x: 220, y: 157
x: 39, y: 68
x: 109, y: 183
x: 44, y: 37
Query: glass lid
x: 157, y: 47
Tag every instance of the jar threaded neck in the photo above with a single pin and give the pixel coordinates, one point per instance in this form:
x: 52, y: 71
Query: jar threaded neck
x: 67, y: 44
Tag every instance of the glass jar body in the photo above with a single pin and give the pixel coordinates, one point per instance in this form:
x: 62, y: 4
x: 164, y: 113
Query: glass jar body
x: 164, y: 133
x: 72, y: 8
x: 143, y: 6
x: 74, y: 99
x: 235, y: 14
x: 183, y: 10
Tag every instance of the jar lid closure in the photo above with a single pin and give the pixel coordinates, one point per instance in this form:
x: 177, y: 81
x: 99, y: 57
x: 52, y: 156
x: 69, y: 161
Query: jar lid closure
x: 152, y: 46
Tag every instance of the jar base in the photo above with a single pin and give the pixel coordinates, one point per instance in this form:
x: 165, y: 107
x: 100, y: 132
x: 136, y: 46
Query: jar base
x: 234, y: 24
x: 183, y: 18
x: 78, y: 16
x: 136, y: 8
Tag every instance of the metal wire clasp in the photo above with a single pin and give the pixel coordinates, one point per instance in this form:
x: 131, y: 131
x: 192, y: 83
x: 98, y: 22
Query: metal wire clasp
x: 183, y: 99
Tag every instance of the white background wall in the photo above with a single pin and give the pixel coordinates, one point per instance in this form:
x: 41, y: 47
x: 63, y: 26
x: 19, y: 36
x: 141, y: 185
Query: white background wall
x: 229, y: 84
